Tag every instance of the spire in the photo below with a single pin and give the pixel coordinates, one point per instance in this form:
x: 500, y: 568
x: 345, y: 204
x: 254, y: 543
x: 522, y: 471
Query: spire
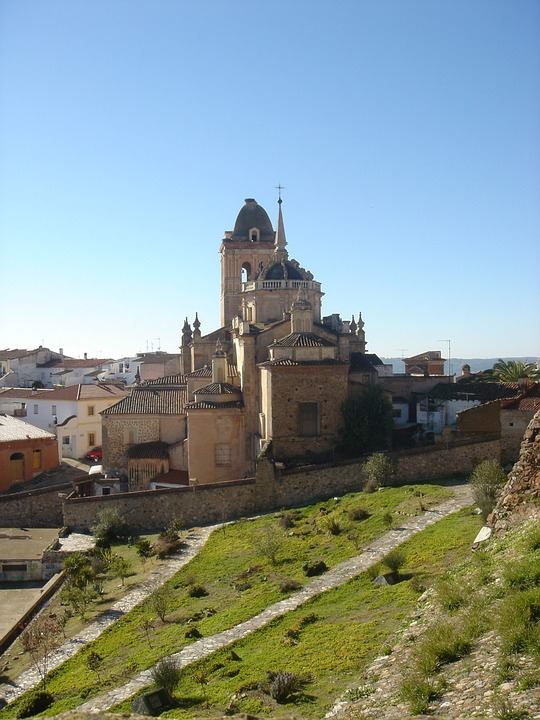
x: 196, y: 326
x: 186, y: 333
x: 281, y: 240
x: 352, y: 326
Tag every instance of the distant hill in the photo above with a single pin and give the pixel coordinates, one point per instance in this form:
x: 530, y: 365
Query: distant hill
x: 476, y: 364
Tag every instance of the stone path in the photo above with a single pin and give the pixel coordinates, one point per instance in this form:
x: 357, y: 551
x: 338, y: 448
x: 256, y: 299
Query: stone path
x: 335, y: 577
x: 194, y: 543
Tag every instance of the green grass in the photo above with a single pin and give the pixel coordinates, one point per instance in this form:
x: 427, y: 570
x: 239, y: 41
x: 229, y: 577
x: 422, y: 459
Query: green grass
x: 240, y: 583
x: 353, y: 624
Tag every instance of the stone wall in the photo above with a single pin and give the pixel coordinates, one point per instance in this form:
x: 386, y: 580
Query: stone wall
x: 116, y: 430
x: 513, y: 425
x: 153, y: 510
x: 270, y: 490
x: 35, y: 508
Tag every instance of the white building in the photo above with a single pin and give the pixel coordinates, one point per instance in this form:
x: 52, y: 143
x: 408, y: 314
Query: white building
x: 72, y: 413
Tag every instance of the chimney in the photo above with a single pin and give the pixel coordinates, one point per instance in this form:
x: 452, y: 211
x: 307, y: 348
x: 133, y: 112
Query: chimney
x: 61, y: 351
x: 86, y: 356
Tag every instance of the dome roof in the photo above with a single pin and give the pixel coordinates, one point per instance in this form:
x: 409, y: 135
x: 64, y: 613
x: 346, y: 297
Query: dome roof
x: 284, y: 270
x: 253, y: 215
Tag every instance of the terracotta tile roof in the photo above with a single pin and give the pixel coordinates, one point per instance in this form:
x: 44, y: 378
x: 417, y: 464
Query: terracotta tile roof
x: 8, y: 354
x: 150, y: 402
x: 174, y: 380
x: 364, y: 362
x: 154, y: 450
x: 21, y: 392
x: 285, y: 362
x: 208, y: 405
x: 206, y: 371
x: 218, y: 388
x: 12, y: 428
x: 302, y: 339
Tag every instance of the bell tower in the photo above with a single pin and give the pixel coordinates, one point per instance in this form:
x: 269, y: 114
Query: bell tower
x: 244, y: 252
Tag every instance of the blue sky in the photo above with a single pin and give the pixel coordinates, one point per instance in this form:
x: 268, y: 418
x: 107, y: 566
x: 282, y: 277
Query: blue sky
x: 406, y: 134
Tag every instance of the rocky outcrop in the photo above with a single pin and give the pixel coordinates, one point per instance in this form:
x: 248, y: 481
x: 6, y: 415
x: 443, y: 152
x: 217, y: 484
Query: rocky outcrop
x: 520, y: 499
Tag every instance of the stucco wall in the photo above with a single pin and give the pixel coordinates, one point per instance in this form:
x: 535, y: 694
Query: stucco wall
x: 49, y: 458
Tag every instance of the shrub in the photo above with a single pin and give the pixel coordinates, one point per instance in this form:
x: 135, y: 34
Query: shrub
x: 519, y: 622
x: 120, y: 567
x: 166, y: 545
x: 34, y: 703
x: 289, y: 585
x: 197, y: 591
x: 444, y: 642
x: 532, y: 538
x: 332, y: 524
x: 358, y: 693
x: 314, y: 567
x: 504, y: 710
x: 417, y: 691
x: 366, y: 422
x: 308, y: 620
x: 388, y: 519
x: 394, y: 561
x: 282, y: 685
x: 487, y: 480
x: 417, y: 584
x: 144, y: 548
x: 268, y: 543
x: 452, y: 595
x: 166, y: 674
x: 523, y: 574
x: 378, y: 469
x: 373, y: 571
x: 287, y: 520
x: 358, y: 514
x: 110, y: 525
x: 193, y: 632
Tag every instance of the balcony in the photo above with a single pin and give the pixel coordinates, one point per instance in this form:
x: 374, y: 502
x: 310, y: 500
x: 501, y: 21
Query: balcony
x: 280, y: 285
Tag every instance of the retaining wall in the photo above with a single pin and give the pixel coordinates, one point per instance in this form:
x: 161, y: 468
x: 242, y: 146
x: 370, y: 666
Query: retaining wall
x: 271, y: 489
x: 34, y: 508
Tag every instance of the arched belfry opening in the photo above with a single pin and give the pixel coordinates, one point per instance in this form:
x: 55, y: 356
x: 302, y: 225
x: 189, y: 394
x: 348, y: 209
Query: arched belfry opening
x: 245, y: 272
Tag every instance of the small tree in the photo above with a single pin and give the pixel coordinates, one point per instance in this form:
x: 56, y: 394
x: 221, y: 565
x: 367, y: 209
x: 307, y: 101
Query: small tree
x: 202, y: 678
x: 79, y: 599
x: 487, y: 480
x: 378, y: 469
x: 269, y: 542
x: 120, y: 567
x: 147, y: 625
x: 161, y: 601
x: 40, y: 639
x: 110, y: 526
x: 78, y: 570
x: 166, y: 674
x: 144, y: 549
x: 366, y: 422
x: 94, y: 661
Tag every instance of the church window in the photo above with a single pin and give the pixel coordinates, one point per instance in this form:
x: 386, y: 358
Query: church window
x: 223, y: 454
x: 308, y: 419
x: 254, y: 235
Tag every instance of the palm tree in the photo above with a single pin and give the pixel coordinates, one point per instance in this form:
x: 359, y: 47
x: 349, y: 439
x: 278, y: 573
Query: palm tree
x: 508, y: 371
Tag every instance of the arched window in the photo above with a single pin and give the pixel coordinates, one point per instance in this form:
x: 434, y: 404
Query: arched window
x: 254, y: 235
x: 245, y: 273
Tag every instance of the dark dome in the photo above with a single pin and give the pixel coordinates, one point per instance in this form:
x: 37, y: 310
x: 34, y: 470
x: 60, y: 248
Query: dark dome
x: 252, y: 215
x: 283, y: 271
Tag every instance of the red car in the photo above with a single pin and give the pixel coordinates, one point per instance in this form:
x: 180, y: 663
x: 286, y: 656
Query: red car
x: 95, y: 454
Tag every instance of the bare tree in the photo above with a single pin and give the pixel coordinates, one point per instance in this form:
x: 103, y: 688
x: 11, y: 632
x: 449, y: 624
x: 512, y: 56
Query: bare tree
x: 161, y: 601
x: 40, y: 639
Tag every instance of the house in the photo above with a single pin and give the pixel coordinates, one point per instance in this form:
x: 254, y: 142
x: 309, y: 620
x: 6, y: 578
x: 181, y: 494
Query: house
x: 425, y: 364
x: 508, y: 417
x: 153, y: 365
x: 72, y: 413
x: 74, y: 371
x: 23, y: 368
x: 23, y: 554
x: 439, y: 407
x: 126, y: 370
x: 25, y: 451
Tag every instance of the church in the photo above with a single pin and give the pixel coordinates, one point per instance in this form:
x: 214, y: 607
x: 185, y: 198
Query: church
x: 272, y: 377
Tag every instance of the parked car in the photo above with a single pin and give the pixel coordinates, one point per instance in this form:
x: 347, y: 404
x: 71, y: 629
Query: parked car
x: 95, y: 454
